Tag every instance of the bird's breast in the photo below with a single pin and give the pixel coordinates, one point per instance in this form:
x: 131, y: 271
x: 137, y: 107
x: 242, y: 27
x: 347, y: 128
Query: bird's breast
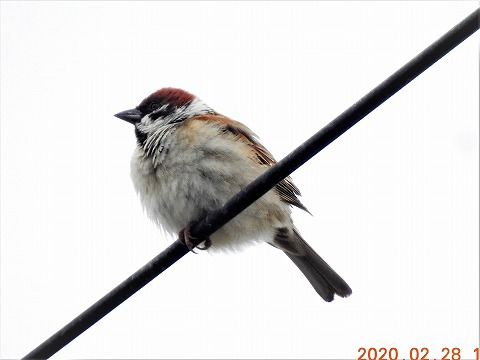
x: 197, y: 171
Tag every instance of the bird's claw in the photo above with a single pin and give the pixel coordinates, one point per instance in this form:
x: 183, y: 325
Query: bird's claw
x: 206, y: 244
x: 186, y: 238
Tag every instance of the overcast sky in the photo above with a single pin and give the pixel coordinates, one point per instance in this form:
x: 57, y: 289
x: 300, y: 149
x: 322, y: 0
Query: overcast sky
x: 394, y: 201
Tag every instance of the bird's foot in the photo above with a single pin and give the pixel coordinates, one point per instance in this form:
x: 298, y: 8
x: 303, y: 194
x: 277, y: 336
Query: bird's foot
x: 186, y: 237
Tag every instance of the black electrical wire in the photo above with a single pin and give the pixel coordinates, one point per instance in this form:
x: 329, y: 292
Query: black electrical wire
x: 216, y: 219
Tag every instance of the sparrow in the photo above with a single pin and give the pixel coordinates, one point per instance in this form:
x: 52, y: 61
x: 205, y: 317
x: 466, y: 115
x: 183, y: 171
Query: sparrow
x: 189, y: 160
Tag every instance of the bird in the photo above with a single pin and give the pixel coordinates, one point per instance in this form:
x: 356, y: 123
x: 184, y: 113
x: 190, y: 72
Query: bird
x: 190, y: 160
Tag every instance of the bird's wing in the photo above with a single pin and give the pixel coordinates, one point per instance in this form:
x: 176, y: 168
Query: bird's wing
x: 286, y: 189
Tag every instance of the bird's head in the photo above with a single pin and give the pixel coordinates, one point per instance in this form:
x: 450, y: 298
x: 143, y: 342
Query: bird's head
x: 160, y: 111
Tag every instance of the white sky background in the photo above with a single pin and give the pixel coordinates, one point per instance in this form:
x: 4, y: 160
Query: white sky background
x: 395, y: 200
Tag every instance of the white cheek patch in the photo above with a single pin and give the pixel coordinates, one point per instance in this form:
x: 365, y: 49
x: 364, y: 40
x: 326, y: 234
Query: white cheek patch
x: 196, y: 107
x: 157, y: 130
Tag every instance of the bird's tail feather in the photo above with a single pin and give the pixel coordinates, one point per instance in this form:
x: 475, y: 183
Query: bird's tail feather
x: 323, y: 278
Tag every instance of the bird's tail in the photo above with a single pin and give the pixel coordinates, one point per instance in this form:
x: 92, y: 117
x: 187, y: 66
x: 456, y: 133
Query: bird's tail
x: 323, y: 278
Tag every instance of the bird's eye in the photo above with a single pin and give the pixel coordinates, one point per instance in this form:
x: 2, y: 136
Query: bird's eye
x: 152, y: 107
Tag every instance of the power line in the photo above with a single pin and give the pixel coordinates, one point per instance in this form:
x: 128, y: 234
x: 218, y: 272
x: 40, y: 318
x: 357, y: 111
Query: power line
x: 216, y: 219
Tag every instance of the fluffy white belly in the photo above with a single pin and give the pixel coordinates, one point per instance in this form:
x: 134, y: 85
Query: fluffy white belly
x: 194, y: 176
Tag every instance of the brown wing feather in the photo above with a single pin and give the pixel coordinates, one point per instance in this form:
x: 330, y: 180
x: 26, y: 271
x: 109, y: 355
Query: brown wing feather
x: 286, y: 189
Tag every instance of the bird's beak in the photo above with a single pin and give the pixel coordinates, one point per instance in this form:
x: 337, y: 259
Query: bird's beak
x: 133, y: 116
